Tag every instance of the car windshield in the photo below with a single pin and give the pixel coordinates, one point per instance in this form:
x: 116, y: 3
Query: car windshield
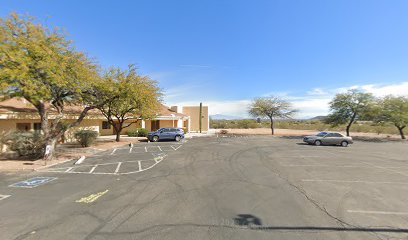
x: 321, y: 134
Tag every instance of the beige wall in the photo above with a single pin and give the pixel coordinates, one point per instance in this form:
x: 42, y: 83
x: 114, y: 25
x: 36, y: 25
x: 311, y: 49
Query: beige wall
x: 194, y: 112
x: 7, y: 125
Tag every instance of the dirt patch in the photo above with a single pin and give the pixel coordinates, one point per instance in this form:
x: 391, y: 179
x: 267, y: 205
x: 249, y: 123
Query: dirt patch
x: 293, y: 133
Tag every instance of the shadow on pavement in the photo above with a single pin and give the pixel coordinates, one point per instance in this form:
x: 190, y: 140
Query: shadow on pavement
x: 255, y: 223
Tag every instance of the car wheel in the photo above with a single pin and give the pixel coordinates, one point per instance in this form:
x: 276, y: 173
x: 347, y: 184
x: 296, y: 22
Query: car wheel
x: 178, y: 138
x: 344, y: 144
x: 318, y: 143
x: 155, y: 139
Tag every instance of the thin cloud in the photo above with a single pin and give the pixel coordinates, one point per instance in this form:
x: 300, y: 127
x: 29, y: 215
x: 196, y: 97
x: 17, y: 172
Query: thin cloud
x: 309, y: 105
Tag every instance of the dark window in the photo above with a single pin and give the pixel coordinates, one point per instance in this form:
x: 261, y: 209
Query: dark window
x: 106, y: 125
x: 23, y: 126
x: 337, y: 135
x: 37, y: 126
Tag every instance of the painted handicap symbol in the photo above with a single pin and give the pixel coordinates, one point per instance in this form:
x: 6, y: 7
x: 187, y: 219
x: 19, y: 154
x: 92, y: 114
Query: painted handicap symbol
x: 33, y: 182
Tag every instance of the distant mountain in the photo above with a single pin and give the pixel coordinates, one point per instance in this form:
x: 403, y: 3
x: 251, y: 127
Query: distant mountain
x: 317, y: 118
x: 224, y: 117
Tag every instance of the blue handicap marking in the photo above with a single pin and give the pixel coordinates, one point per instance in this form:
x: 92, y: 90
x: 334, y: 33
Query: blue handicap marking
x: 33, y: 182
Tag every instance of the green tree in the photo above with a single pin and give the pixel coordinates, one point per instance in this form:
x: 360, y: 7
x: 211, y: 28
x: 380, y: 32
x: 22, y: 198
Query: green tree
x: 272, y: 108
x: 348, y: 107
x: 43, y: 67
x: 394, y: 110
x: 125, y: 97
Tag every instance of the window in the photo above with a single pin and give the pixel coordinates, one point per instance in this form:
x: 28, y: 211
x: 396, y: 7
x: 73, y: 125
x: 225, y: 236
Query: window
x: 330, y: 135
x: 106, y: 125
x: 337, y: 135
x: 37, y: 126
x: 23, y: 126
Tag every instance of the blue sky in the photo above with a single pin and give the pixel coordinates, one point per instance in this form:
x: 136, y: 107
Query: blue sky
x: 225, y: 53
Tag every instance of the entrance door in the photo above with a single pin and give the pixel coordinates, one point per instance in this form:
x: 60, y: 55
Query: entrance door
x: 155, y: 125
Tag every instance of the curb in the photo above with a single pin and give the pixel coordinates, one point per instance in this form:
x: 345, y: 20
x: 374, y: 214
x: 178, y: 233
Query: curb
x: 47, y: 166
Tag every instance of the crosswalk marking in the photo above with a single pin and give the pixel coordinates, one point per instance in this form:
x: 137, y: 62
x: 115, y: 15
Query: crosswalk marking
x: 140, y: 165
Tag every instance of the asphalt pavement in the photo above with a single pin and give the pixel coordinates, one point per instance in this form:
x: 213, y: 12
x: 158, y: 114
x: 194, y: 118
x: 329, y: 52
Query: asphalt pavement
x: 214, y: 188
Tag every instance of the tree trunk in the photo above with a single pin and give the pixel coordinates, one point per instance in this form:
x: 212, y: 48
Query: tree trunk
x: 118, y: 128
x: 401, y: 131
x: 50, y: 149
x: 350, y: 123
x: 117, y: 136
x: 272, y: 128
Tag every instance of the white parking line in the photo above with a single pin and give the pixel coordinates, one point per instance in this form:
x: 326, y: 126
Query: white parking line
x: 386, y: 169
x: 130, y: 150
x: 160, y: 149
x: 140, y: 165
x: 377, y: 212
x: 113, y: 152
x: 69, y: 169
x: 175, y: 149
x: 93, y: 169
x: 2, y: 197
x: 145, y: 149
x: 118, y: 167
x: 351, y: 181
x: 323, y: 165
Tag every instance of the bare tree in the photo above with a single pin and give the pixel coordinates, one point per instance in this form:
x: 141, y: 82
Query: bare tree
x: 272, y: 108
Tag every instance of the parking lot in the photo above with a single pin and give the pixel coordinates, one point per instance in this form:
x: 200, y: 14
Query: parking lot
x: 119, y: 161
x: 225, y: 187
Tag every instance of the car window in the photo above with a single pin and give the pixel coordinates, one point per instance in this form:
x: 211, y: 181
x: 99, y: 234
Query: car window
x: 164, y: 130
x: 330, y: 135
x: 337, y: 135
x: 322, y: 134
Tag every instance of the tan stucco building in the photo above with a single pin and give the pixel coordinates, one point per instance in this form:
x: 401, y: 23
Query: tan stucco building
x: 19, y: 114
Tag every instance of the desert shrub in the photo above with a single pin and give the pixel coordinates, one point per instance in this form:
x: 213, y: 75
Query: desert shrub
x: 223, y: 131
x: 26, y: 144
x: 132, y: 133
x: 185, y: 130
x: 86, y: 137
x: 142, y: 132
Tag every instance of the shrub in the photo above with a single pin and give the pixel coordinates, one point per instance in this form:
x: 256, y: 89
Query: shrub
x: 86, y: 137
x: 185, y: 130
x: 132, y: 133
x: 223, y: 131
x: 140, y: 132
x: 26, y: 144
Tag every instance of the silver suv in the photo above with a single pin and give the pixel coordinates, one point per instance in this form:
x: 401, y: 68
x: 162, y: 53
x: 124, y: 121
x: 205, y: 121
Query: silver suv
x: 328, y: 138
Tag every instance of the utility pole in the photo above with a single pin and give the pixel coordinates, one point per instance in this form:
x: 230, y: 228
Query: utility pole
x: 201, y: 117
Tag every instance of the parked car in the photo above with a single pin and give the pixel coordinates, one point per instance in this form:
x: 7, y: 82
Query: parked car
x: 328, y: 138
x: 166, y: 134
